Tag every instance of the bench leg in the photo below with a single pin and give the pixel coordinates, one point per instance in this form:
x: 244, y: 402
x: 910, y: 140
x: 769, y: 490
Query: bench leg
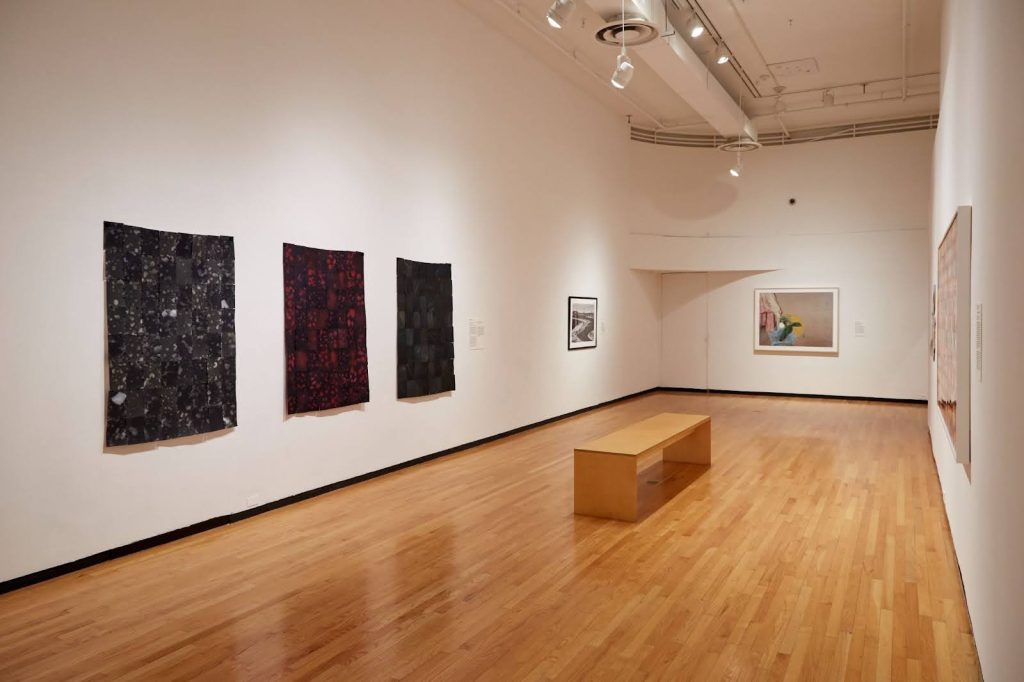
x: 604, y: 485
x: 694, y: 449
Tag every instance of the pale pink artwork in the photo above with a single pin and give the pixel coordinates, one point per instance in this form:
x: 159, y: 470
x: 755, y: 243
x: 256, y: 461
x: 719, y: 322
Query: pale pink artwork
x: 946, y: 330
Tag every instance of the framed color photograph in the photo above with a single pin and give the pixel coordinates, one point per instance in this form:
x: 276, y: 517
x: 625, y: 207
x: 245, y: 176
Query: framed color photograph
x: 796, y: 320
x: 582, y: 322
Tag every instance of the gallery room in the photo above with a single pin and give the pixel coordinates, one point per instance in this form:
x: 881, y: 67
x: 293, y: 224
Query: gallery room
x: 511, y: 340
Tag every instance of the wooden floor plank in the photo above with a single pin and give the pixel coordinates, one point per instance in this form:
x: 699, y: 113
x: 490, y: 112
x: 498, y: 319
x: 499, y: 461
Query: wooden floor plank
x: 814, y: 548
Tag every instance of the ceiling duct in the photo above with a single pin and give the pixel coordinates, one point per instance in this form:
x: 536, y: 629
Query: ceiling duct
x: 635, y: 29
x: 742, y: 144
x: 675, y: 62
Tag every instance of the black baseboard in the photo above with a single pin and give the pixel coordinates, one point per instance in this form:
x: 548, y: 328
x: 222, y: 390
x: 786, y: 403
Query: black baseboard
x: 773, y: 394
x: 209, y: 524
x: 171, y: 536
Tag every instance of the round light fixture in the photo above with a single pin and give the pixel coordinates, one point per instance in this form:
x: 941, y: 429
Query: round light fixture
x: 722, y: 54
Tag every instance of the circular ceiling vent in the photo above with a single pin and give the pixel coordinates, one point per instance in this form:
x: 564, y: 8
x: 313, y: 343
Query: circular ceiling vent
x: 743, y: 144
x: 636, y: 30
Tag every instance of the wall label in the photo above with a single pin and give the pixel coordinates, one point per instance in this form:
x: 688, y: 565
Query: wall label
x: 477, y: 333
x: 979, y: 335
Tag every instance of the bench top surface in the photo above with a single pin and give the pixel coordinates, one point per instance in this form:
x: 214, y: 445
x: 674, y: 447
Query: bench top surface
x: 638, y: 438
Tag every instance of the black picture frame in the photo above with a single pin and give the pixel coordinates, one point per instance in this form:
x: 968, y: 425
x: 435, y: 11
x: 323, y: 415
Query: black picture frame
x: 571, y: 325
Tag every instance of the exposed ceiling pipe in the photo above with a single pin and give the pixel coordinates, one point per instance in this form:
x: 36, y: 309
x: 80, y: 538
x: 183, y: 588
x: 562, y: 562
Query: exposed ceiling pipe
x: 860, y: 84
x: 872, y: 100
x: 904, y: 28
x: 680, y: 126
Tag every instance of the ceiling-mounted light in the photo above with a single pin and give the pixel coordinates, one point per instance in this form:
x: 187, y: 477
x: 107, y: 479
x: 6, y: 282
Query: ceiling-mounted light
x: 694, y: 28
x: 623, y: 71
x: 829, y: 98
x: 559, y: 12
x: 623, y: 66
x: 722, y: 54
x: 738, y: 168
x: 742, y: 143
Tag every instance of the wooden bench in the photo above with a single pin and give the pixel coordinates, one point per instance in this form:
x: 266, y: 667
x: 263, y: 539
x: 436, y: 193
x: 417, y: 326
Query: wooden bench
x: 605, y: 470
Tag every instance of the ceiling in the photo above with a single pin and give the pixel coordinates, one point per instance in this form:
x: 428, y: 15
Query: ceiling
x: 833, y: 61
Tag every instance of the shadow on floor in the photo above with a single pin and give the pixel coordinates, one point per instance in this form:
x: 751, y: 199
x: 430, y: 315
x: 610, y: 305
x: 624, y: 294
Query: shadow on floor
x: 662, y: 481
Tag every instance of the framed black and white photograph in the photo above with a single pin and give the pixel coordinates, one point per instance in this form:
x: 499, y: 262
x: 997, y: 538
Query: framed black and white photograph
x: 582, y: 322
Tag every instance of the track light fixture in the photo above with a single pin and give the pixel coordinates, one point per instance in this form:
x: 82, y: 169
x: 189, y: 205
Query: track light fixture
x: 738, y: 168
x: 694, y: 28
x: 722, y: 54
x: 623, y: 66
x: 559, y: 12
x: 623, y: 71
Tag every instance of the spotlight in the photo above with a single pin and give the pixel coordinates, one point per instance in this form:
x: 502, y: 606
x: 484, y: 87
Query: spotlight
x: 623, y: 72
x: 738, y: 168
x: 559, y: 12
x: 722, y: 54
x: 693, y: 26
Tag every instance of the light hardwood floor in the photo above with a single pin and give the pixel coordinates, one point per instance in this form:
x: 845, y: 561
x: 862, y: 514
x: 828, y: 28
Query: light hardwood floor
x: 814, y: 548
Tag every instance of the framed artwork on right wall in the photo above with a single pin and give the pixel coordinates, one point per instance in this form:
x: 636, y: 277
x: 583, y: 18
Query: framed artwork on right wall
x: 931, y: 328
x: 953, y: 333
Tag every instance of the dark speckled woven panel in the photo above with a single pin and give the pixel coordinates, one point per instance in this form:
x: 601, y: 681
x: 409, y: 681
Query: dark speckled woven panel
x: 324, y: 329
x: 426, y: 348
x: 170, y: 334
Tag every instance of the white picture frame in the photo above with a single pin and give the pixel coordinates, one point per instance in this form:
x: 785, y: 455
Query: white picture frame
x: 803, y: 320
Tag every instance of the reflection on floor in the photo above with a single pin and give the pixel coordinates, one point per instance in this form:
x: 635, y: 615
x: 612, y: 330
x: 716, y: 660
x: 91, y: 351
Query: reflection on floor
x: 814, y: 548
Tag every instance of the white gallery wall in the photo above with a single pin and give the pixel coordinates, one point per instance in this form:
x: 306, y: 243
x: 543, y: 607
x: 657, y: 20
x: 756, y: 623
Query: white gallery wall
x: 419, y: 133
x: 979, y: 161
x: 859, y: 223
